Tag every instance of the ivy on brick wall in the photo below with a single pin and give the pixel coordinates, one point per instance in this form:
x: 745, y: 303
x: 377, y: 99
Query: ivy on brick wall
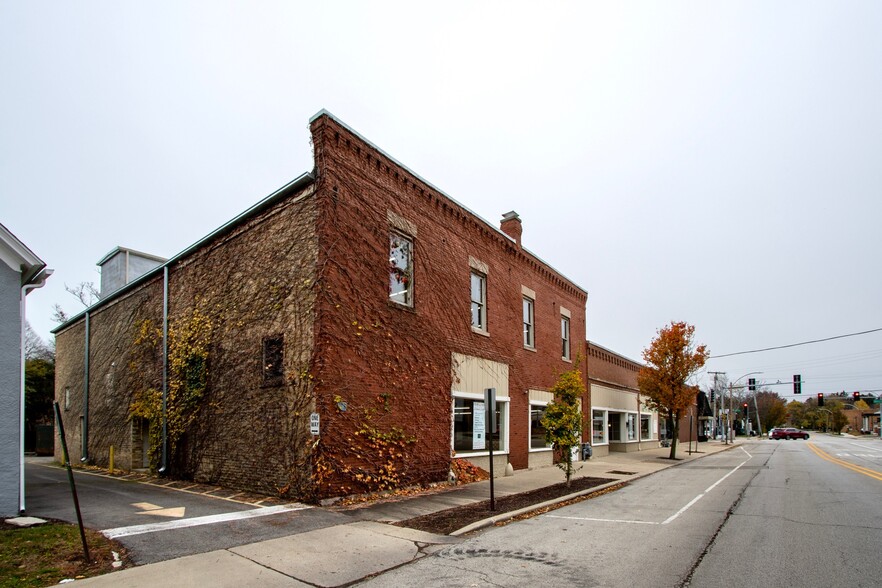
x: 189, y: 338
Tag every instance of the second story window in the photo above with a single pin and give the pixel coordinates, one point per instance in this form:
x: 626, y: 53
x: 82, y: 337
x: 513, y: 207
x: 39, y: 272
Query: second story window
x: 565, y: 337
x: 479, y: 301
x: 529, y: 335
x: 400, y: 269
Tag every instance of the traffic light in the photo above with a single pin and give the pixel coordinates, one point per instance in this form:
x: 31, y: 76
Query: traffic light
x: 856, y: 396
x: 745, y: 407
x: 820, y: 399
x: 712, y: 397
x: 797, y: 384
x: 751, y: 384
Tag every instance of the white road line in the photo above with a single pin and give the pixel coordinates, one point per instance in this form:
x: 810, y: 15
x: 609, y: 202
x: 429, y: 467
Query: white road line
x: 673, y: 516
x: 711, y: 487
x: 604, y: 520
x: 197, y: 521
x: 864, y: 447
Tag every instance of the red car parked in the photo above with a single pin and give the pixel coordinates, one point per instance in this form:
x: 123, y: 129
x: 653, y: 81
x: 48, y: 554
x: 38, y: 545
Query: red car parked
x: 789, y: 434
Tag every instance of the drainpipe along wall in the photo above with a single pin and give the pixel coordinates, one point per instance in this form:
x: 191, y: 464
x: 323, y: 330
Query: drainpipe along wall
x: 164, y: 465
x: 85, y: 431
x: 40, y: 281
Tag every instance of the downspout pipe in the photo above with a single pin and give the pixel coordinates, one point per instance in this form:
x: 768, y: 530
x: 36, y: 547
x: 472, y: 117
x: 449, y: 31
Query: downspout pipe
x: 38, y: 282
x: 85, y: 431
x: 164, y: 465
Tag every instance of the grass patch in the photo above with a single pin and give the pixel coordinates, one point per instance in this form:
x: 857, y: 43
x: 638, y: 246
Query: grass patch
x: 46, y: 554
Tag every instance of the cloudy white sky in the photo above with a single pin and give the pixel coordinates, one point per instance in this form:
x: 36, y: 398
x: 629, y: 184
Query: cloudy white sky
x: 713, y: 162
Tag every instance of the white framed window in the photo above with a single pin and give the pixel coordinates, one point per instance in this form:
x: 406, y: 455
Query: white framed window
x: 537, y: 431
x: 645, y: 426
x: 66, y: 397
x: 400, y: 269
x: 598, y: 431
x: 470, y: 432
x: 479, y: 301
x: 529, y: 330
x: 565, y: 337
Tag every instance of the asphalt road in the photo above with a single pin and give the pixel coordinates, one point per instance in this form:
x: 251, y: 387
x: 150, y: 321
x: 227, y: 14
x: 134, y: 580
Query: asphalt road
x: 813, y: 517
x: 157, y: 523
x: 770, y: 513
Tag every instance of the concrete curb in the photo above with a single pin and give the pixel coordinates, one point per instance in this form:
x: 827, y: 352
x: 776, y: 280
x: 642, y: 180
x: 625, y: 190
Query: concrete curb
x: 516, y: 513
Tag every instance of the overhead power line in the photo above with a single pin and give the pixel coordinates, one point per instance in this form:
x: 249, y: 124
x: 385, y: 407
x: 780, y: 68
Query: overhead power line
x: 794, y: 344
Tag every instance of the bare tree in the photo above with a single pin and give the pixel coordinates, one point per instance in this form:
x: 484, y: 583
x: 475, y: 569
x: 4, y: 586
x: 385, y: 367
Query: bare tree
x: 58, y: 314
x: 85, y: 292
x: 35, y: 347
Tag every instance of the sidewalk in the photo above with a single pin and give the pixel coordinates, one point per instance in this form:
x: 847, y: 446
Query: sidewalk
x: 369, y: 545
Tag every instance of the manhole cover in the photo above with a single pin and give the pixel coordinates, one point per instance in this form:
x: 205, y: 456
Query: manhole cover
x: 621, y: 473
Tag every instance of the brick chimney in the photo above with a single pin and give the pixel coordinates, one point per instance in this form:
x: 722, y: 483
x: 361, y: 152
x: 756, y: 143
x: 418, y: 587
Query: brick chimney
x: 511, y: 226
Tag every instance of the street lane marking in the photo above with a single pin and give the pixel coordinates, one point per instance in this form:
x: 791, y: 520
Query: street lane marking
x: 604, y: 520
x: 177, y: 513
x: 856, y: 468
x: 673, y: 516
x: 709, y: 488
x: 158, y: 511
x: 199, y: 521
x: 864, y: 447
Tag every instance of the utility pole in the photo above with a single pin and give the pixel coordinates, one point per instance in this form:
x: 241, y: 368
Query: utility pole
x: 722, y: 404
x: 756, y: 409
x: 731, y: 423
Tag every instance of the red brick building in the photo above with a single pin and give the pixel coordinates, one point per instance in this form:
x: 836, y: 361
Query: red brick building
x: 358, y: 300
x: 619, y: 419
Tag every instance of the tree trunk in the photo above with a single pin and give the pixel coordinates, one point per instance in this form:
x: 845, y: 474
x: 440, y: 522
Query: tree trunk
x: 675, y: 435
x: 568, y: 460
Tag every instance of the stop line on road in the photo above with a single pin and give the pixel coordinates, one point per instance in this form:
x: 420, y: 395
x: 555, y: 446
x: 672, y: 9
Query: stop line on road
x: 198, y: 521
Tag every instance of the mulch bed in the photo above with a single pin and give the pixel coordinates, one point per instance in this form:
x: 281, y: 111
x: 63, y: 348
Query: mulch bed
x: 446, y: 521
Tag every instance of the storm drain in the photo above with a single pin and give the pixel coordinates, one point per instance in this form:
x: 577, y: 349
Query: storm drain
x: 621, y: 473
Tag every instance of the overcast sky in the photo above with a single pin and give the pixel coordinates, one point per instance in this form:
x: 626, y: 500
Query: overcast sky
x: 713, y: 162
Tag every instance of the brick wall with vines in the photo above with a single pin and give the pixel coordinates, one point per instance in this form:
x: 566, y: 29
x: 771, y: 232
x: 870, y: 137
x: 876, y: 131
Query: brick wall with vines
x: 389, y: 366
x: 312, y: 271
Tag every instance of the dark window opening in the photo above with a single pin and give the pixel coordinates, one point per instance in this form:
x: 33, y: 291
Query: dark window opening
x: 273, y: 354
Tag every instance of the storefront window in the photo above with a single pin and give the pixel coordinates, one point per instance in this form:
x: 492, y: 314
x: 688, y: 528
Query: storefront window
x: 537, y: 431
x: 645, y: 432
x: 469, y: 434
x: 597, y: 428
x: 631, y: 424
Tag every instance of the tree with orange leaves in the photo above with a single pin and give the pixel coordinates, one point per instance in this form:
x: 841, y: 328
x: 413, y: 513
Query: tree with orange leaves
x: 672, y: 358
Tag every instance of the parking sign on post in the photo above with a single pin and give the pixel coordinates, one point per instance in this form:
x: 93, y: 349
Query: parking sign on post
x: 490, y: 404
